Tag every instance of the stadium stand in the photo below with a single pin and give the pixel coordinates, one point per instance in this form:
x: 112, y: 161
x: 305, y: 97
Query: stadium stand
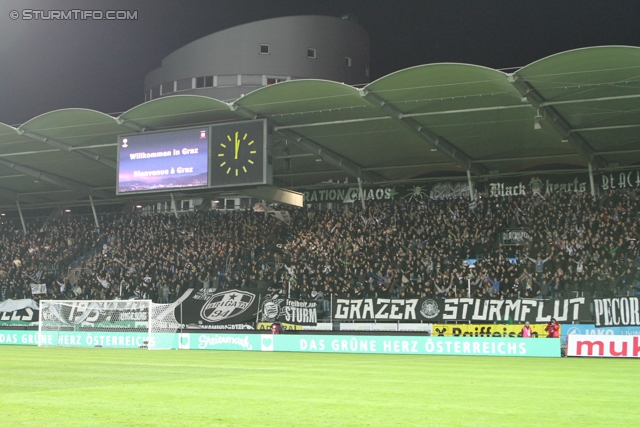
x: 405, y: 248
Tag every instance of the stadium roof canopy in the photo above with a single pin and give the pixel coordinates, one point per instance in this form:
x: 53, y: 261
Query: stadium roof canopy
x: 433, y: 120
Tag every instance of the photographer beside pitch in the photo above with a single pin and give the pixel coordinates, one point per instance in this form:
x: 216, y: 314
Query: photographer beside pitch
x: 553, y: 329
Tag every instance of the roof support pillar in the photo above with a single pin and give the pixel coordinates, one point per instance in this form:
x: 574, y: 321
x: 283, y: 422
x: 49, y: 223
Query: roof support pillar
x: 361, y: 193
x: 593, y: 187
x: 24, y: 227
x: 93, y: 209
x: 472, y: 196
x: 174, y: 208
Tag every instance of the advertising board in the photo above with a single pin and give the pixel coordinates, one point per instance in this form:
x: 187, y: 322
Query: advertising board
x: 364, y: 344
x: 603, y: 346
x: 596, y: 330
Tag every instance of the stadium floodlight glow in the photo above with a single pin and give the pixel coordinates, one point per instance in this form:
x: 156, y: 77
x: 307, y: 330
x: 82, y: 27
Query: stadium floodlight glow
x: 67, y: 210
x: 139, y: 206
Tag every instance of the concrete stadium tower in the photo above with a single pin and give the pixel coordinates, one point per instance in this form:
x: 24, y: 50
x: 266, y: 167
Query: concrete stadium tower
x: 231, y: 63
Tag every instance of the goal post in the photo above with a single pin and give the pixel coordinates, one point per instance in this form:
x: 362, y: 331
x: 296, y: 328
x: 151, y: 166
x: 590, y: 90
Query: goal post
x: 113, y: 323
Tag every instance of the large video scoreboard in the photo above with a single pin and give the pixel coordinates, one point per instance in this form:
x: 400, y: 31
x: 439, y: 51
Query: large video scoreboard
x: 216, y: 156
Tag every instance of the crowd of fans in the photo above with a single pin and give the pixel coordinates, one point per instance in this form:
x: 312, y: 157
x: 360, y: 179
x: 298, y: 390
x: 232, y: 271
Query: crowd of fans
x: 404, y: 249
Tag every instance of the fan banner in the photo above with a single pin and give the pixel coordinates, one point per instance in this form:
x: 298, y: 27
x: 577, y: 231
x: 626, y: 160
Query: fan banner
x: 462, y: 309
x: 226, y: 307
x: 538, y: 185
x: 623, y: 311
x: 18, y: 304
x: 293, y: 312
x: 38, y: 288
x: 24, y: 317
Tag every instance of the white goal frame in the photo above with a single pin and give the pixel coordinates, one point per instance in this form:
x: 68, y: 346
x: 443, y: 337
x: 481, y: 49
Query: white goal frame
x: 61, y: 320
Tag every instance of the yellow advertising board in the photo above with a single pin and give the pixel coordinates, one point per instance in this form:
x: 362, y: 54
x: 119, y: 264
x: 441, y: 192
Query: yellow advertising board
x: 266, y: 326
x: 508, y: 331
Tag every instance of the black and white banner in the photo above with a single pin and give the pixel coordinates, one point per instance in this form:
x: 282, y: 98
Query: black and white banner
x: 461, y: 309
x: 23, y: 317
x: 623, y: 311
x: 626, y: 179
x: 514, y: 237
x: 230, y: 307
x: 294, y: 312
x: 541, y: 185
x: 19, y: 312
x: 38, y: 288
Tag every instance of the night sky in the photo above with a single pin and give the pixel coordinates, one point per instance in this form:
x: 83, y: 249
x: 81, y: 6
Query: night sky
x: 48, y: 65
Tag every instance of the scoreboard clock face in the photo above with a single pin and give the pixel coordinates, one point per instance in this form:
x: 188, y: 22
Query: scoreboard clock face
x: 239, y: 154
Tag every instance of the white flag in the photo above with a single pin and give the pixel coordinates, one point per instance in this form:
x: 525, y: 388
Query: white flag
x: 39, y: 288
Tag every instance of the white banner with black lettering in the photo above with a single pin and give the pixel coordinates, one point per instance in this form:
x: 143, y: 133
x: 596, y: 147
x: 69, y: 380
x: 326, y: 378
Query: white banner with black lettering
x: 462, y: 309
x: 274, y: 308
x: 39, y: 288
x: 623, y: 311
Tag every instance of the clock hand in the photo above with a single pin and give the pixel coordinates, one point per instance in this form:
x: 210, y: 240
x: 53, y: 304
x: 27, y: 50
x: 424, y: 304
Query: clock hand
x: 237, y: 145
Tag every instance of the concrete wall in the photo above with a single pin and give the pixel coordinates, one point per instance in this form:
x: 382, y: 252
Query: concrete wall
x: 236, y: 51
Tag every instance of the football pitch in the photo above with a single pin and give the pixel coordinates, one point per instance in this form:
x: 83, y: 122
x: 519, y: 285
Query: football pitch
x: 108, y: 387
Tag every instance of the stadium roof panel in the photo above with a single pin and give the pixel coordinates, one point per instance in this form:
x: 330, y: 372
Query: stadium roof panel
x: 175, y: 111
x: 429, y: 120
x: 445, y: 89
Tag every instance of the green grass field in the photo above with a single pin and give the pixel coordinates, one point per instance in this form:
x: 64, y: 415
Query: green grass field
x: 106, y: 387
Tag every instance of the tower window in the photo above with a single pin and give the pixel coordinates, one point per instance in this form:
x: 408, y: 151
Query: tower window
x: 347, y: 61
x: 311, y: 53
x: 264, y: 49
x: 206, y: 81
x: 274, y: 80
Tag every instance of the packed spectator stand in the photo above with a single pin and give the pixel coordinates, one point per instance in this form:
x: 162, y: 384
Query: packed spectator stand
x: 403, y: 249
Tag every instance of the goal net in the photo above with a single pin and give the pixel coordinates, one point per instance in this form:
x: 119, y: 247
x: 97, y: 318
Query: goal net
x: 117, y: 324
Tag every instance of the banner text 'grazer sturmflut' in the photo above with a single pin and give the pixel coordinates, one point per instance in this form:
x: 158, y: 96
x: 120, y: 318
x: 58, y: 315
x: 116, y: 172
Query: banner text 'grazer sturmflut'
x: 461, y: 309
